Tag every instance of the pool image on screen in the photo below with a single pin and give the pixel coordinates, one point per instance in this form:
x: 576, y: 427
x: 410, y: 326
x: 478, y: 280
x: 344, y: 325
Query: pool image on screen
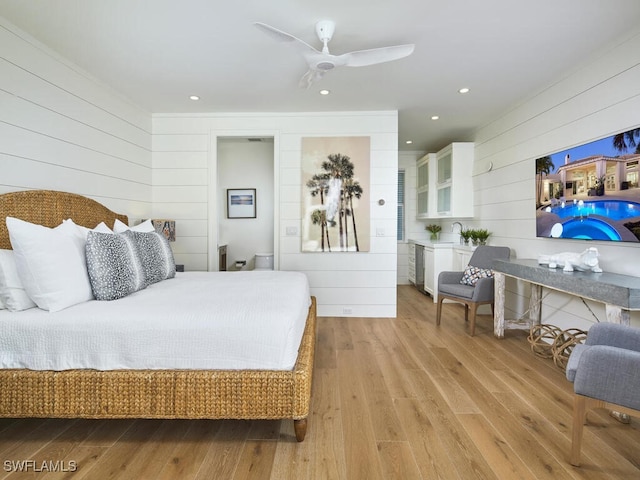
x: 591, y: 191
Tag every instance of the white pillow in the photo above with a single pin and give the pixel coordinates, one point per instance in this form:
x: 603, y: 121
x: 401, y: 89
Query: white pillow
x: 102, y: 228
x: 51, y: 263
x: 145, y: 227
x: 12, y: 294
x: 84, y: 231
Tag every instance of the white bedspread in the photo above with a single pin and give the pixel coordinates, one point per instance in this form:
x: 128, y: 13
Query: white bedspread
x: 198, y: 320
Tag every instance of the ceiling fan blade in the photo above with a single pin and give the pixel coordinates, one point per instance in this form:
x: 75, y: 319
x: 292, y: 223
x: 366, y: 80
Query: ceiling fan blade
x: 310, y: 77
x: 362, y: 58
x: 285, y: 37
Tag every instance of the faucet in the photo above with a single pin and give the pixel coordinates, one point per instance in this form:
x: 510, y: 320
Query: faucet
x: 459, y: 231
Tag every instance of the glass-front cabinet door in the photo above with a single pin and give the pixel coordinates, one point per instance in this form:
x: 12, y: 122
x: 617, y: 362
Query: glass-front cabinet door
x: 444, y: 182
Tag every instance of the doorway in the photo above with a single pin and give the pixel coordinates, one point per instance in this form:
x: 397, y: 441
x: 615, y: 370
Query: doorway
x: 245, y: 164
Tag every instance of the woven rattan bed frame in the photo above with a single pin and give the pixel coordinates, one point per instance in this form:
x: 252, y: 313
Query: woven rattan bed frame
x: 187, y: 394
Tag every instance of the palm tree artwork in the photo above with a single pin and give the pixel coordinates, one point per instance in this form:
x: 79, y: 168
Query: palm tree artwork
x: 625, y: 140
x: 544, y: 166
x: 335, y: 179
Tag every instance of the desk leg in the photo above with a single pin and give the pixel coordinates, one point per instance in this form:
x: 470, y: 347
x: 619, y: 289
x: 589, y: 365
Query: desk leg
x: 498, y: 299
x: 616, y: 314
x: 535, y: 305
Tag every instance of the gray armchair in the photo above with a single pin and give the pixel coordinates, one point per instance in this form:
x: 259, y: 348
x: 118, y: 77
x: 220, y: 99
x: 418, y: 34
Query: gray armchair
x: 449, y: 286
x: 605, y: 372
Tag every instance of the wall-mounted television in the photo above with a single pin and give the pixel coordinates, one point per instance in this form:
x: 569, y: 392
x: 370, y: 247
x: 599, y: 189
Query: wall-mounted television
x: 591, y: 191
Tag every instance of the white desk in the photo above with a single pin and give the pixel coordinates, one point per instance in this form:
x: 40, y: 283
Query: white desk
x: 619, y: 293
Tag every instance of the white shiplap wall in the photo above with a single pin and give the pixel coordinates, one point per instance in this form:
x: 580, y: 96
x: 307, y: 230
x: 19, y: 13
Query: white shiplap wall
x: 60, y: 129
x: 184, y: 154
x: 598, y: 100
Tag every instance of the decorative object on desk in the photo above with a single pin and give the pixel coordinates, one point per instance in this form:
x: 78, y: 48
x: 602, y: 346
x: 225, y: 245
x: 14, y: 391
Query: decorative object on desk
x: 241, y: 203
x: 549, y: 341
x: 166, y: 228
x: 570, y: 261
x: 434, y: 230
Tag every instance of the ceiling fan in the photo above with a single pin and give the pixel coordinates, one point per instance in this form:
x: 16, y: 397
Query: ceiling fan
x: 321, y: 62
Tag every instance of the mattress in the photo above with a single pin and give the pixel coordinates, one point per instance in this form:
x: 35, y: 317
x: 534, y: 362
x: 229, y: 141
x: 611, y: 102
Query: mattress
x: 196, y: 321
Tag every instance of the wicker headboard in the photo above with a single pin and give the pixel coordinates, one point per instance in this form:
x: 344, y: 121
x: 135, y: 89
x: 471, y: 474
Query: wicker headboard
x: 49, y: 208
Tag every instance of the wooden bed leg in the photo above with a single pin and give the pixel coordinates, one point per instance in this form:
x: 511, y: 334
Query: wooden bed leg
x: 300, y: 426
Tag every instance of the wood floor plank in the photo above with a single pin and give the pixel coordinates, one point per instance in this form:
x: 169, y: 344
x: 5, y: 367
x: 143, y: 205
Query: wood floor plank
x: 454, y: 438
x: 386, y: 425
x: 493, y: 447
x: 325, y: 353
x: 432, y: 459
x: 292, y: 460
x: 256, y: 460
x: 125, y: 454
x: 188, y: 455
x: 397, y: 461
x: 361, y: 452
x: 78, y: 462
x: 326, y: 429
x: 223, y: 456
x: 342, y: 334
x: 107, y: 432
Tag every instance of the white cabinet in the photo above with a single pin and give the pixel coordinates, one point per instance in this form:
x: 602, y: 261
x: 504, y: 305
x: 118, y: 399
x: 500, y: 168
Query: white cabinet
x: 445, y: 185
x: 423, y: 183
x: 436, y: 260
x: 461, y: 257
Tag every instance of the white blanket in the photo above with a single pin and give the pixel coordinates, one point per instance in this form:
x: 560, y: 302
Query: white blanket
x: 198, y: 320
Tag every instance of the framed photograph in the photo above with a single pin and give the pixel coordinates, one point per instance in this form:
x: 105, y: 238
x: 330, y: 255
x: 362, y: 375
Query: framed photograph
x: 241, y: 203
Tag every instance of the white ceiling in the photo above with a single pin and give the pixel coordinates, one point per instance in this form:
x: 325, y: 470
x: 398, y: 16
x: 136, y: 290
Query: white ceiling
x: 158, y: 52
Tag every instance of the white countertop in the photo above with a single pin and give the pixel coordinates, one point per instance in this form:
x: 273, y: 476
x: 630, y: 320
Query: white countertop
x: 440, y: 244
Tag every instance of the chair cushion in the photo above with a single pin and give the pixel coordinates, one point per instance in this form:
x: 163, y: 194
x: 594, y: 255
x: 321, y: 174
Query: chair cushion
x: 456, y: 290
x: 472, y: 274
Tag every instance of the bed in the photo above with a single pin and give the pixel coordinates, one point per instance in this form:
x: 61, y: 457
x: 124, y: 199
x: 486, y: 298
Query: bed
x: 165, y: 392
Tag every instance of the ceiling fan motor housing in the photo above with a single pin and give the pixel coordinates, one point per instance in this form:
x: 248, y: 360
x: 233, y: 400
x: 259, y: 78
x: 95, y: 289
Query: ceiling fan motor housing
x: 324, y: 65
x: 325, y: 29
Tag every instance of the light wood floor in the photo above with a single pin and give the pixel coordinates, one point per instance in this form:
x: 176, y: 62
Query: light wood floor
x: 392, y: 398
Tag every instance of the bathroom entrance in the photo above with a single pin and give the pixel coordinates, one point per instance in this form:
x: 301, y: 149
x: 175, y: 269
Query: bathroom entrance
x: 246, y: 202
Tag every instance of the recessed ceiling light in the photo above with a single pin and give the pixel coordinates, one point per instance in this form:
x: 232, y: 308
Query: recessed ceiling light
x: 463, y: 90
x: 435, y: 117
x: 324, y: 92
x: 194, y: 97
x: 409, y: 142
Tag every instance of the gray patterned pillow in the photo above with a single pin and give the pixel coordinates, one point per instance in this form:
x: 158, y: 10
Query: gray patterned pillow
x: 156, y: 256
x: 114, y: 267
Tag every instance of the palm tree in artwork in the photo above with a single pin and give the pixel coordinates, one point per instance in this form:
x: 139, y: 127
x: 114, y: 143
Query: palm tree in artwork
x: 318, y: 217
x: 353, y: 189
x: 339, y: 168
x: 319, y: 185
x: 544, y: 165
x: 625, y: 140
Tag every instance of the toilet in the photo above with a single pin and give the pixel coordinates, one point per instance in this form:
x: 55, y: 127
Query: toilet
x: 264, y: 261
